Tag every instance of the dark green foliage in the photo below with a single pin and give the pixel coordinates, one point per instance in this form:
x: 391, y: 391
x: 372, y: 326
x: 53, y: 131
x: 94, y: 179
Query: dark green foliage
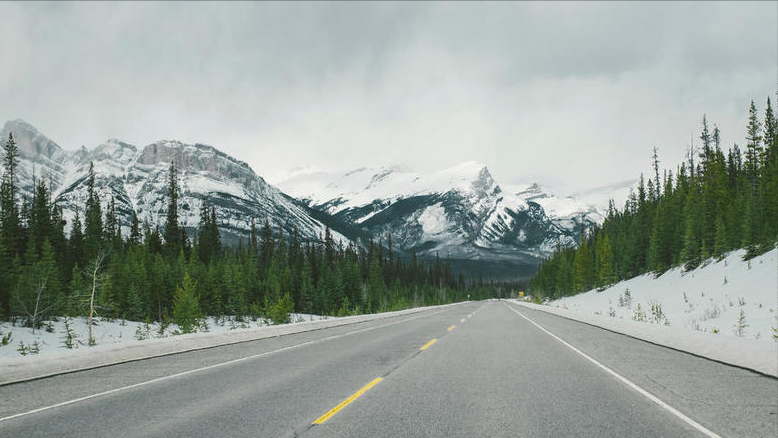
x: 9, y: 223
x: 93, y: 231
x: 172, y: 231
x: 721, y: 203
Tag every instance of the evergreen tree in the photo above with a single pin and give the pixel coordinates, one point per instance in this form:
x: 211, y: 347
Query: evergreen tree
x: 134, y: 237
x: 691, y: 253
x: 186, y: 306
x: 40, y: 227
x: 720, y: 245
x: 266, y: 247
x: 9, y: 222
x: 753, y: 145
x: 93, y: 232
x: 607, y: 272
x: 583, y: 268
x: 172, y: 236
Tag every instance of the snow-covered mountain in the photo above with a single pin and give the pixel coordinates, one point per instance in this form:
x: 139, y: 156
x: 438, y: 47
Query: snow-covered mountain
x: 136, y: 179
x: 460, y: 212
x: 567, y: 211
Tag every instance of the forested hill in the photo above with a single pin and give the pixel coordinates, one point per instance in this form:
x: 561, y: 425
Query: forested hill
x: 164, y: 275
x: 715, y: 202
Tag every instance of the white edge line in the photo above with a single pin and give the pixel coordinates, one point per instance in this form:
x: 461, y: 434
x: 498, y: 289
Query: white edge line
x: 209, y: 367
x: 626, y: 381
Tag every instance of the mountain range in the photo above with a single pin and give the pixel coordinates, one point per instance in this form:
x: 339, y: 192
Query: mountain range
x: 136, y: 178
x: 460, y: 213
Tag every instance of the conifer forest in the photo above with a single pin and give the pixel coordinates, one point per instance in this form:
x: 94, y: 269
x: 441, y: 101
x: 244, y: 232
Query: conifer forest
x: 717, y: 201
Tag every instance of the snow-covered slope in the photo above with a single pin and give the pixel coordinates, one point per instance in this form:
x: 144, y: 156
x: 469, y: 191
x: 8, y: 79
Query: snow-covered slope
x: 566, y: 210
x: 709, y: 298
x: 460, y: 211
x: 136, y: 179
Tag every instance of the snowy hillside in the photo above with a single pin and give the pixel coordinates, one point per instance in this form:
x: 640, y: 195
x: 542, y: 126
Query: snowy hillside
x: 717, y: 297
x: 135, y: 178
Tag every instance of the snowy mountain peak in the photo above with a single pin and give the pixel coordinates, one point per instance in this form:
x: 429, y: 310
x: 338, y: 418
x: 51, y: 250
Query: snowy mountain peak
x: 136, y: 180
x: 29, y: 140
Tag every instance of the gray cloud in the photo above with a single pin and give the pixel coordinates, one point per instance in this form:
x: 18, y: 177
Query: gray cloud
x: 571, y: 93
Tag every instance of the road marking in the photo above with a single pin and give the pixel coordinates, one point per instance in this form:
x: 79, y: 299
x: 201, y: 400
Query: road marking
x: 626, y: 381
x: 451, y: 328
x: 470, y: 315
x: 427, y: 345
x: 209, y: 367
x: 345, y: 402
x: 462, y: 320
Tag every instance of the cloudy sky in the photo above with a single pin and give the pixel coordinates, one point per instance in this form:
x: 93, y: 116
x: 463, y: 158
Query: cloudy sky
x: 571, y: 94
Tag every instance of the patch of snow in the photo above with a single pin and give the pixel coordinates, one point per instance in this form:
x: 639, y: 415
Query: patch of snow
x: 433, y: 221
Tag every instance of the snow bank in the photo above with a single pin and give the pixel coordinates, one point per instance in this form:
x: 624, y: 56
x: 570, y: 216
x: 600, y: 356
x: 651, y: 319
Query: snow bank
x: 697, y: 311
x: 51, y: 342
x: 120, y: 344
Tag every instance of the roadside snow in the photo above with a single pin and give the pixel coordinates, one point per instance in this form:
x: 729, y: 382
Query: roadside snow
x: 697, y: 311
x: 51, y: 342
x: 120, y: 345
x: 707, y: 299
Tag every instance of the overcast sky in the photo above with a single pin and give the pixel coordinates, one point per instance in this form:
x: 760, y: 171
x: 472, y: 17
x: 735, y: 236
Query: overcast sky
x: 571, y: 94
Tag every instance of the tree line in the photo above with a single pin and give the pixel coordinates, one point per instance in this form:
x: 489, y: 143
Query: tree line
x: 164, y: 274
x: 713, y: 203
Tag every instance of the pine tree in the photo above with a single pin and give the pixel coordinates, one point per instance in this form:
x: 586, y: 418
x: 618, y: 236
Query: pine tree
x: 607, y: 273
x: 720, y: 245
x: 186, y: 306
x: 770, y: 178
x: 93, y: 232
x: 690, y: 255
x: 9, y: 222
x: 134, y: 237
x: 40, y: 227
x: 172, y: 231
x: 753, y: 145
x: 657, y: 185
x: 266, y: 247
x: 375, y: 285
x: 307, y: 290
x: 583, y: 268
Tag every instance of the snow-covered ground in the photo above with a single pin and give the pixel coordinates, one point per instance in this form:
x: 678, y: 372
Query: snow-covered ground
x: 711, y: 298
x: 50, y: 340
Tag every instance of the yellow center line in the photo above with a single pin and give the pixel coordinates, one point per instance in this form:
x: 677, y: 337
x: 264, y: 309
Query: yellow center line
x: 451, y: 328
x: 462, y: 320
x: 345, y: 402
x: 428, y: 344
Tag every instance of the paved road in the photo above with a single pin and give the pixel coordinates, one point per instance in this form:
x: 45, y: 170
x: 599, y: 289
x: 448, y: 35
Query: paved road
x: 495, y: 370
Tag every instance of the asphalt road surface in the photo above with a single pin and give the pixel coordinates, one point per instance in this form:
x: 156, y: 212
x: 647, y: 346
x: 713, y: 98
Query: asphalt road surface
x: 481, y: 369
